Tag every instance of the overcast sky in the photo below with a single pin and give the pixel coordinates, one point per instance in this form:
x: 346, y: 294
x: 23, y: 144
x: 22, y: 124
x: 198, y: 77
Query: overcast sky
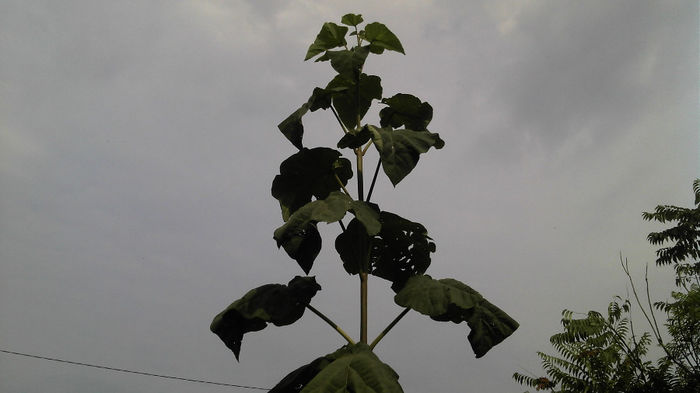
x: 138, y: 143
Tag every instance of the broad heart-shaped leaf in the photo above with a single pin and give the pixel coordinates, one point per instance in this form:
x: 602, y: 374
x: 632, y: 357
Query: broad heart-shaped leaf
x: 380, y: 38
x: 296, y: 231
x: 400, y: 250
x: 353, y: 368
x: 272, y: 303
x: 348, y: 62
x: 346, y: 101
x: 406, y: 110
x: 399, y: 150
x: 292, y: 127
x: 351, y: 19
x: 309, y: 173
x: 452, y: 300
x: 331, y: 36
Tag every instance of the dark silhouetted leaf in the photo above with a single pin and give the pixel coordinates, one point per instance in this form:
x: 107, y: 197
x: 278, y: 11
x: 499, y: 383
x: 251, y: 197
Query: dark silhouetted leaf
x: 452, y: 300
x: 292, y: 127
x: 346, y: 100
x: 355, y: 139
x: 353, y: 247
x: 331, y: 36
x: 304, y: 246
x: 400, y: 149
x: 401, y: 250
x: 406, y: 110
x: 272, y: 303
x: 309, y: 173
x: 380, y: 38
x: 351, y: 19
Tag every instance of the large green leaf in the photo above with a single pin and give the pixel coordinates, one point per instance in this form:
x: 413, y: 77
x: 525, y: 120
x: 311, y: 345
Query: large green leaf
x: 309, y: 173
x: 331, y: 36
x: 354, y: 368
x: 296, y: 231
x: 272, y: 303
x: 400, y: 250
x: 346, y: 100
x: 406, y: 110
x: 451, y: 300
x: 297, y: 379
x: 399, y: 150
x: 348, y: 62
x: 380, y: 38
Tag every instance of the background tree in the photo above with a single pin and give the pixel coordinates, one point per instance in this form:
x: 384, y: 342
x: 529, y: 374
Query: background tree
x: 312, y: 188
x: 603, y: 354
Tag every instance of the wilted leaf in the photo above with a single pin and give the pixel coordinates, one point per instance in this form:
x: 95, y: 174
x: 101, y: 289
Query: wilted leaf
x: 331, y: 36
x: 452, y: 300
x: 399, y: 150
x: 309, y: 173
x: 406, y: 110
x: 272, y: 303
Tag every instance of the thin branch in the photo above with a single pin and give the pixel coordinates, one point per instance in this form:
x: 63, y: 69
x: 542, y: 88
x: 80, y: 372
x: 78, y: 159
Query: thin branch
x: 653, y: 325
x: 331, y: 323
x: 345, y: 130
x: 389, y: 327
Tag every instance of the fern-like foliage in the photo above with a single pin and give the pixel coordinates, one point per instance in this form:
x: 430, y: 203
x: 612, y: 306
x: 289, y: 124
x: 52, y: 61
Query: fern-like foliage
x: 597, y: 353
x: 600, y: 354
x: 684, y: 237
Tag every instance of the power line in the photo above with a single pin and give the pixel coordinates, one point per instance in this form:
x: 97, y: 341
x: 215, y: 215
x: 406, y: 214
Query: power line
x: 122, y: 370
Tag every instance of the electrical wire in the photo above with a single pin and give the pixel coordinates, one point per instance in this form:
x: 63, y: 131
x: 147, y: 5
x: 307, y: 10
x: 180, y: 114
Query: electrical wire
x: 122, y: 370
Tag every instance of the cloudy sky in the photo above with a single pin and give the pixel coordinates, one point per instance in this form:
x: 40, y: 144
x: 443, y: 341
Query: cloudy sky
x: 138, y: 143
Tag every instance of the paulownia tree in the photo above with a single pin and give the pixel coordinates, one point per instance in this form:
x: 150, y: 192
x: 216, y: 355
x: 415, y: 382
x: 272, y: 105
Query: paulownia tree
x: 312, y: 187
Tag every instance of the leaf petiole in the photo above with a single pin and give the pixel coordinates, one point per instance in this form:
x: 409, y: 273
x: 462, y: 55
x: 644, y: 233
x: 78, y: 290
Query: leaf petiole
x: 345, y: 130
x: 389, y: 327
x: 331, y: 323
x: 341, y: 185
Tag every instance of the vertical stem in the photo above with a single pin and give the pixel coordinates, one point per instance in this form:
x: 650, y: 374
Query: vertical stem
x: 363, y: 307
x: 360, y: 181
